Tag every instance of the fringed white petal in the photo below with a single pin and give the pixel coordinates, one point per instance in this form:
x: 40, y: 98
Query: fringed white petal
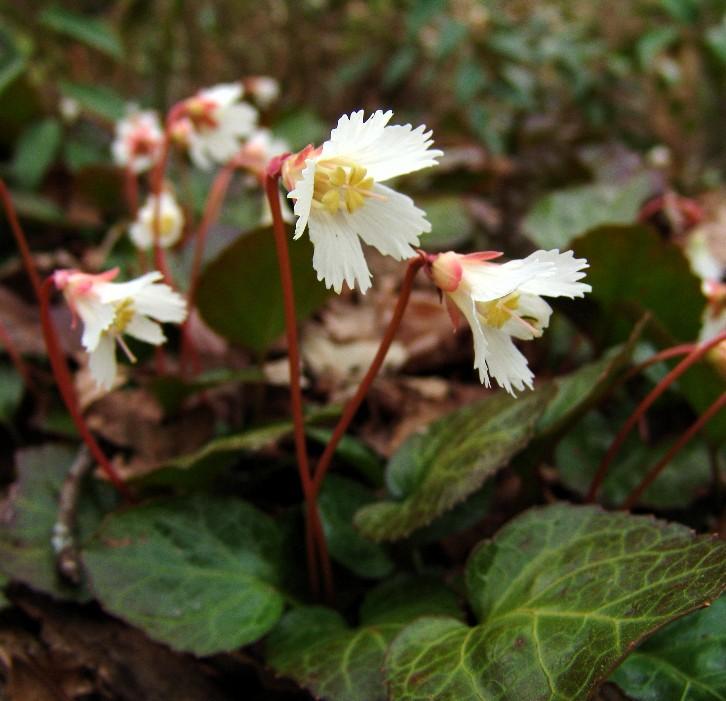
x: 239, y: 120
x: 561, y: 280
x: 116, y: 291
x: 96, y: 317
x: 161, y: 303
x: 338, y: 256
x: 102, y: 362
x: 390, y: 222
x: 145, y: 330
x: 384, y: 151
x: 505, y: 362
x: 303, y: 196
x: 532, y: 317
x: 223, y: 94
x: 490, y: 281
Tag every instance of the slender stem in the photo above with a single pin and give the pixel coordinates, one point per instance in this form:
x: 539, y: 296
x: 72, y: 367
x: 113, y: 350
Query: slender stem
x: 65, y: 385
x: 666, y: 354
x: 293, y: 354
x: 131, y: 191
x: 211, y: 212
x: 676, y: 448
x: 65, y: 545
x: 354, y: 403
x: 157, y: 182
x: 696, y: 354
x: 17, y: 360
x: 22, y: 242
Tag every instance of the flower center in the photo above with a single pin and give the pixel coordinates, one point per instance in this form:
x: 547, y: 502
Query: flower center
x: 201, y: 113
x: 497, y: 312
x: 124, y: 313
x: 340, y: 185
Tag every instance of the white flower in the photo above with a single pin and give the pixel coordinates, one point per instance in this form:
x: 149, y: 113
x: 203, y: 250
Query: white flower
x: 713, y: 321
x: 109, y: 309
x: 261, y: 147
x: 214, y: 124
x: 502, y: 302
x: 339, y: 197
x: 138, y: 141
x: 264, y: 90
x: 171, y: 222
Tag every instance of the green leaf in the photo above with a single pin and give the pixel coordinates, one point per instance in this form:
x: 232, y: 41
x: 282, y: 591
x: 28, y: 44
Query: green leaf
x: 618, y: 257
x: 37, y: 207
x: 239, y: 292
x: 352, y: 452
x: 715, y: 40
x: 301, y: 127
x: 13, y: 59
x: 451, y: 225
x: 191, y: 468
x: 171, y: 392
x: 339, y: 499
x: 30, y: 512
x: 578, y: 455
x: 36, y: 150
x: 653, y: 43
x: 562, y: 594
x: 11, y: 392
x: 4, y: 603
x: 96, y: 99
x: 583, y: 388
x: 314, y: 645
x: 556, y: 219
x: 435, y: 470
x: 92, y: 32
x: 201, y: 574
x: 685, y: 660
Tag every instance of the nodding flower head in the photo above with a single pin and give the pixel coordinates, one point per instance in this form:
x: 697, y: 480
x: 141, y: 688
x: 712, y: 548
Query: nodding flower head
x: 139, y: 140
x: 212, y: 124
x: 143, y: 231
x: 340, y: 199
x: 504, y: 301
x: 109, y: 310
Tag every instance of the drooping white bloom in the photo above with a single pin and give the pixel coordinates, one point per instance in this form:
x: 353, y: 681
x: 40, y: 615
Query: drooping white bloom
x: 214, y: 122
x: 110, y: 309
x: 264, y: 89
x: 259, y: 149
x: 502, y: 302
x: 339, y: 197
x: 138, y: 141
x: 171, y: 222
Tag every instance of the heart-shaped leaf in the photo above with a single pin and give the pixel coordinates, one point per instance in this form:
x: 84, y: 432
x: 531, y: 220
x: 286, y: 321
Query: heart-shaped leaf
x: 339, y: 499
x: 562, y: 594
x: 559, y: 217
x: 435, y: 470
x: 201, y: 574
x: 240, y: 295
x: 30, y: 512
x: 317, y: 648
x: 685, y: 660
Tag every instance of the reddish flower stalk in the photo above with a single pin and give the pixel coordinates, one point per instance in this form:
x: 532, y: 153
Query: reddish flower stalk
x: 666, y: 354
x: 21, y: 241
x: 55, y: 354
x: 131, y: 191
x: 11, y: 349
x: 157, y: 182
x: 676, y: 448
x: 354, y: 403
x: 314, y: 532
x: 695, y: 355
x: 65, y: 384
x: 211, y: 212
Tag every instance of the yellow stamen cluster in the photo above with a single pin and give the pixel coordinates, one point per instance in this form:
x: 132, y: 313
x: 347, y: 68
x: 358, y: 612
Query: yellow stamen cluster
x: 497, y: 312
x: 124, y: 313
x: 341, y: 185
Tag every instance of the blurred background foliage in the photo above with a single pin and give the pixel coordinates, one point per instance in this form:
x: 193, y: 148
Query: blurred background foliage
x: 535, y: 81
